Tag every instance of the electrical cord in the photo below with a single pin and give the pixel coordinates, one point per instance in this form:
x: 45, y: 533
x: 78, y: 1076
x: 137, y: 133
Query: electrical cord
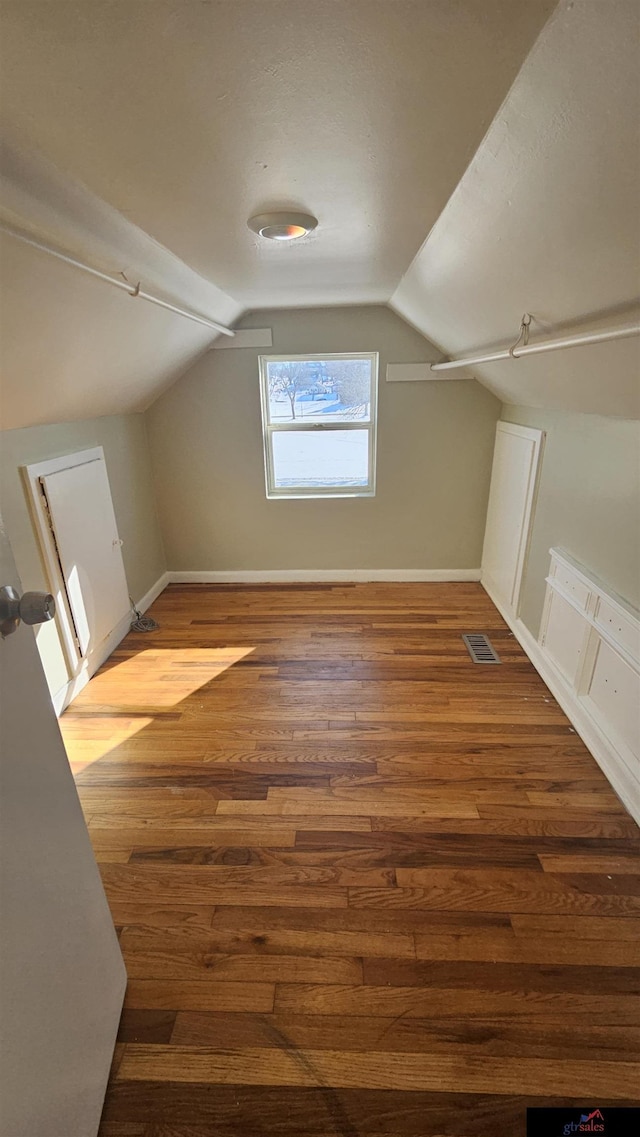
x: 140, y: 623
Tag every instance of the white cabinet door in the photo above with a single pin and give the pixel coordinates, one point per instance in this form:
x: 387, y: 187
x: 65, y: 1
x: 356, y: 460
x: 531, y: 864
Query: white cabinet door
x: 513, y: 481
x: 61, y: 970
x: 614, y: 696
x: 565, y: 637
x: 86, y: 534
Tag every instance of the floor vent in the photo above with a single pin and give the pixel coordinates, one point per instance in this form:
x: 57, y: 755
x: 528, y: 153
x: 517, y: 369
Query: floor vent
x: 480, y: 649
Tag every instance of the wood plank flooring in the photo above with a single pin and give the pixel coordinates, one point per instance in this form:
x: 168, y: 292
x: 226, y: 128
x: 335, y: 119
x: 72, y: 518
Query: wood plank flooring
x: 363, y: 887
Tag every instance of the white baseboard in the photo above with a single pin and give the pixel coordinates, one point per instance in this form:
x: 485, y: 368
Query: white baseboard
x: 147, y: 600
x: 293, y: 576
x: 100, y: 654
x: 599, y: 745
x: 90, y: 664
x: 70, y: 691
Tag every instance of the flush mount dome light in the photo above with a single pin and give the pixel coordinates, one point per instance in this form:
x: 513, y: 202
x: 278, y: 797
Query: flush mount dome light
x: 282, y: 226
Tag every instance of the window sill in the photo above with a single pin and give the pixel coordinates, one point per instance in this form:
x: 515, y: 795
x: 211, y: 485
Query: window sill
x: 318, y: 496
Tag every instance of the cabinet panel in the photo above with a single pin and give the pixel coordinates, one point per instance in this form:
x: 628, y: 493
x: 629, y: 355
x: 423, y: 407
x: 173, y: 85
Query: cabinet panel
x: 590, y: 642
x: 622, y: 628
x: 565, y: 636
x: 614, y: 692
x: 570, y: 583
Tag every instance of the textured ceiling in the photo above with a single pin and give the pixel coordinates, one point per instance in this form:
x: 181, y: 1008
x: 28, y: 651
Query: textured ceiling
x: 72, y: 347
x: 546, y: 220
x: 468, y: 160
x: 188, y: 117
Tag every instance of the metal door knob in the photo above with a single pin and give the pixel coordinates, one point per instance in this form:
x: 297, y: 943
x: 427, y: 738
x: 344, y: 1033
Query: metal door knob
x: 31, y: 608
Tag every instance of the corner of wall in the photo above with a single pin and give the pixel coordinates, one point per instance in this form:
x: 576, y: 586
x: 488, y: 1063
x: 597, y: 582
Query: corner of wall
x: 154, y: 490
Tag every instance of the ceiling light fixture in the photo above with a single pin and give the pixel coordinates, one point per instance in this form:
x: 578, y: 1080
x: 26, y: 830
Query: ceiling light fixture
x: 282, y: 226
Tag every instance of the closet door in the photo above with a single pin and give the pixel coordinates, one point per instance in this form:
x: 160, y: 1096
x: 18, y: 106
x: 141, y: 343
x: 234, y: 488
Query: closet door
x: 89, y: 549
x: 516, y: 462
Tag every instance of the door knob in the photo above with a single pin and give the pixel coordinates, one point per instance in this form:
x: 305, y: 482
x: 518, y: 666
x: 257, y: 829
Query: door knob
x: 31, y: 608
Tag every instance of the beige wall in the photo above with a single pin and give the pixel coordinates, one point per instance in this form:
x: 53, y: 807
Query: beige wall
x: 124, y: 440
x: 588, y: 502
x: 435, y: 442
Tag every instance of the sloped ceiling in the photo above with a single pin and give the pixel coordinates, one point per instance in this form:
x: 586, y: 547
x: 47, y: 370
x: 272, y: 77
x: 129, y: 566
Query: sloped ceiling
x: 143, y: 135
x: 71, y: 346
x: 546, y: 220
x: 174, y: 121
x: 188, y: 117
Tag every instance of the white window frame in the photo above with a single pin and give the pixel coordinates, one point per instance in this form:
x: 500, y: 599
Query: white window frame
x: 269, y: 429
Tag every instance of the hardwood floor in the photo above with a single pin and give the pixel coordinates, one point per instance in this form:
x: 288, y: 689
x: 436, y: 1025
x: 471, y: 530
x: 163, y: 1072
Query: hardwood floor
x: 364, y: 887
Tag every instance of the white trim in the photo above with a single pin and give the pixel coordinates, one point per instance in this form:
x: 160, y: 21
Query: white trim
x: 69, y: 692
x: 530, y: 432
x: 31, y: 476
x: 246, y: 337
x: 90, y: 664
x: 415, y: 373
x: 65, y: 462
x: 600, y: 746
x: 292, y: 576
x: 537, y: 438
x: 153, y: 593
x: 592, y: 582
x: 101, y: 653
x: 80, y: 668
x: 597, y: 597
x: 269, y: 429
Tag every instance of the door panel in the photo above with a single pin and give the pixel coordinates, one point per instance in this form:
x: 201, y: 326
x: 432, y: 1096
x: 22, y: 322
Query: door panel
x: 62, y: 973
x: 509, y: 514
x: 86, y: 534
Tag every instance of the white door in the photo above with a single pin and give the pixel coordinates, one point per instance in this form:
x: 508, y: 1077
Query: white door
x: 516, y: 461
x: 86, y: 534
x: 61, y: 972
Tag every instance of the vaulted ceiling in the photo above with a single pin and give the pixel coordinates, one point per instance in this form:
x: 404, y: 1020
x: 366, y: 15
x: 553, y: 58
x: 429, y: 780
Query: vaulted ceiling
x: 141, y: 136
x: 546, y: 220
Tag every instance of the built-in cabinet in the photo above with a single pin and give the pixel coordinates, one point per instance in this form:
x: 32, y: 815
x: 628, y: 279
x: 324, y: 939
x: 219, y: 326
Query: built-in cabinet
x: 591, y: 639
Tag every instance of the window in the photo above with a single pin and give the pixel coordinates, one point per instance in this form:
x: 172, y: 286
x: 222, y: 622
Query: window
x: 319, y: 424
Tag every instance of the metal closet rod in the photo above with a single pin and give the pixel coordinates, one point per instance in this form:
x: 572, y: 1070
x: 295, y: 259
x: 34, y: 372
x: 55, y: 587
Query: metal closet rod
x: 544, y: 345
x: 133, y: 289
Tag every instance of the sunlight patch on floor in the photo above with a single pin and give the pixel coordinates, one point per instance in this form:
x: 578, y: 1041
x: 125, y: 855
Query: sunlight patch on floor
x: 147, y: 683
x: 87, y: 739
x: 158, y: 678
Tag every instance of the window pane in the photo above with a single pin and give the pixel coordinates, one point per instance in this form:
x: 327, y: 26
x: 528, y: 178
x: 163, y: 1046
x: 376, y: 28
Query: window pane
x: 319, y: 390
x: 305, y: 459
